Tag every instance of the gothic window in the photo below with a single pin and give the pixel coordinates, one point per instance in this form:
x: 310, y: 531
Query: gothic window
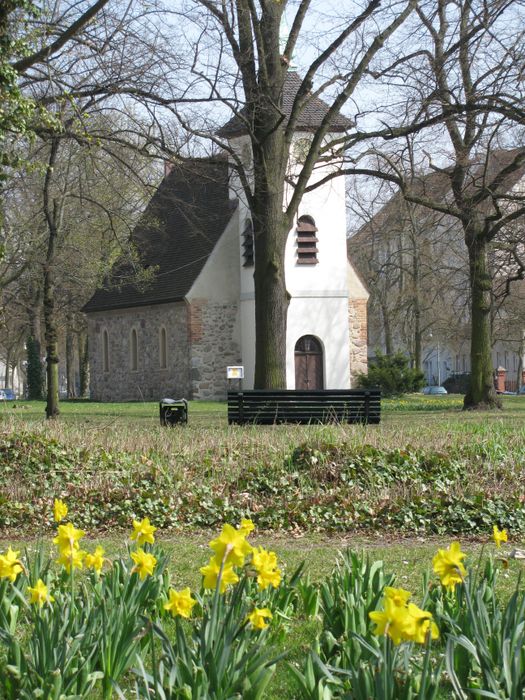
x: 247, y: 244
x: 163, y: 348
x: 134, y: 351
x: 306, y: 241
x: 105, y: 351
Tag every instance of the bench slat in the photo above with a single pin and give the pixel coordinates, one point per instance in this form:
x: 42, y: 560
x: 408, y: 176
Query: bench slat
x: 269, y: 406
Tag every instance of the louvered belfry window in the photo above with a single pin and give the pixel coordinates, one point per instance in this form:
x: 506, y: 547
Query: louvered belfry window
x: 306, y: 241
x: 247, y: 244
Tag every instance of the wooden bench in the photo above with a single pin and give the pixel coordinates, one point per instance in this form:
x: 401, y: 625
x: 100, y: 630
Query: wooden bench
x: 269, y: 406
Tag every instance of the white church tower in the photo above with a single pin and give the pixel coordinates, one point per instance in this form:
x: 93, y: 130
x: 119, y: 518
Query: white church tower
x: 326, y: 343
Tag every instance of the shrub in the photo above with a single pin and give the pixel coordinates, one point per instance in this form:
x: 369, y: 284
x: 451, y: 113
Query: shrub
x: 457, y: 383
x: 391, y: 374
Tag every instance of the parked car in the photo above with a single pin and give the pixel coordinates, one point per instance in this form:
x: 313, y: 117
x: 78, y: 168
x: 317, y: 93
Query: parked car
x: 434, y: 390
x: 7, y: 395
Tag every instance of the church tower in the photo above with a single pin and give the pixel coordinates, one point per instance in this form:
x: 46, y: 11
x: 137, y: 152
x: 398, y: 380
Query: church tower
x: 326, y: 327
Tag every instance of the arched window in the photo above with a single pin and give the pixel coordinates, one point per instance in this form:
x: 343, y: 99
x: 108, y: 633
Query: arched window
x: 247, y: 244
x: 163, y: 348
x: 134, y: 351
x: 306, y: 241
x: 105, y: 351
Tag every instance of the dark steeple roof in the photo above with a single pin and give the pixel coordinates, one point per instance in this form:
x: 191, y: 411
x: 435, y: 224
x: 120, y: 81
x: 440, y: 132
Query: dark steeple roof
x: 177, y: 233
x: 310, y: 118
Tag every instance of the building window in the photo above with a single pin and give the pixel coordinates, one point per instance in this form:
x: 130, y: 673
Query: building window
x: 105, y: 351
x: 247, y: 244
x: 306, y: 241
x: 163, y: 348
x: 134, y: 351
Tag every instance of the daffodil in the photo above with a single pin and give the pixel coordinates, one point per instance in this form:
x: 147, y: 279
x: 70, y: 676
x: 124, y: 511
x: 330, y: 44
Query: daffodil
x: 447, y: 564
x: 211, y: 574
x: 68, y: 537
x: 499, y: 536
x: 266, y: 565
x: 144, y: 563
x: 180, y: 602
x: 10, y: 565
x: 96, y: 560
x: 393, y: 621
x: 38, y: 595
x: 231, y: 546
x: 143, y: 531
x: 397, y: 595
x: 71, y: 559
x: 59, y: 510
x: 246, y: 526
x: 421, y: 624
x: 257, y: 618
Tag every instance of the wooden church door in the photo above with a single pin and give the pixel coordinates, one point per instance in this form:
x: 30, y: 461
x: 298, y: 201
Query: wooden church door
x: 308, y: 363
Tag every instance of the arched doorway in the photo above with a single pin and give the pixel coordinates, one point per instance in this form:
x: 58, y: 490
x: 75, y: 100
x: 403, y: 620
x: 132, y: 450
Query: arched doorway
x: 308, y: 363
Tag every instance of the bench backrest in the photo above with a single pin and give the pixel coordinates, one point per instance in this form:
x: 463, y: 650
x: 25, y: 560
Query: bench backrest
x: 269, y: 406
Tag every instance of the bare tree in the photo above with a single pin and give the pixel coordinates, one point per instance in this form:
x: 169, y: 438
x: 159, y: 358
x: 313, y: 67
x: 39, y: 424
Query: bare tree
x: 466, y: 69
x: 413, y: 263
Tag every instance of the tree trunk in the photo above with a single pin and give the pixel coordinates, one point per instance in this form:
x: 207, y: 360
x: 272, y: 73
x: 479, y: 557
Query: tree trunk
x: 270, y: 227
x: 6, y: 371
x: 387, y: 330
x: 271, y: 297
x: 51, y: 336
x: 481, y: 394
x: 83, y: 361
x: 70, y: 362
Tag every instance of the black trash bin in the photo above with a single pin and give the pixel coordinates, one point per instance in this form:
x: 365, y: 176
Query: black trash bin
x: 173, y: 411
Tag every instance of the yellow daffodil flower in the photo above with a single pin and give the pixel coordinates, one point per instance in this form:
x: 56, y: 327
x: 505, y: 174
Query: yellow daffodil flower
x: 144, y: 563
x: 393, y: 621
x: 10, y: 565
x: 143, y: 531
x: 246, y: 526
x: 422, y: 623
x: 211, y: 574
x: 266, y: 565
x: 68, y: 537
x: 447, y: 564
x: 180, y: 603
x: 38, y: 595
x: 397, y: 595
x: 231, y: 546
x: 71, y: 559
x: 59, y: 510
x: 96, y: 560
x: 499, y: 536
x: 257, y: 618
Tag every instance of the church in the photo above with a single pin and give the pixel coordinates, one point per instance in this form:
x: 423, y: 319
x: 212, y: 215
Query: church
x: 175, y: 329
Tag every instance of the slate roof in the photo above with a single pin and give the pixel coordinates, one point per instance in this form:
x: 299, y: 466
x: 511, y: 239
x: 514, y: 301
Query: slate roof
x: 175, y: 236
x: 310, y: 118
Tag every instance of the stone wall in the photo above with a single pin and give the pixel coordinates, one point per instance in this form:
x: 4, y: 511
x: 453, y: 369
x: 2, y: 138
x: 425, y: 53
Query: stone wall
x: 150, y: 381
x: 357, y: 322
x: 213, y: 333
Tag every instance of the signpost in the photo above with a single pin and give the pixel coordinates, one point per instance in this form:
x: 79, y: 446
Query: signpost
x: 235, y: 373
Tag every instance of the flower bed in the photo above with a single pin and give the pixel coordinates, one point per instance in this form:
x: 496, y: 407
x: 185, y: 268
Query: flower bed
x: 78, y: 625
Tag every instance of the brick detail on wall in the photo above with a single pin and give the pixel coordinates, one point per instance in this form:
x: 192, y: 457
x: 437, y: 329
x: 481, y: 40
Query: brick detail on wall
x: 195, y: 320
x: 149, y: 382
x: 212, y: 329
x: 357, y: 323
